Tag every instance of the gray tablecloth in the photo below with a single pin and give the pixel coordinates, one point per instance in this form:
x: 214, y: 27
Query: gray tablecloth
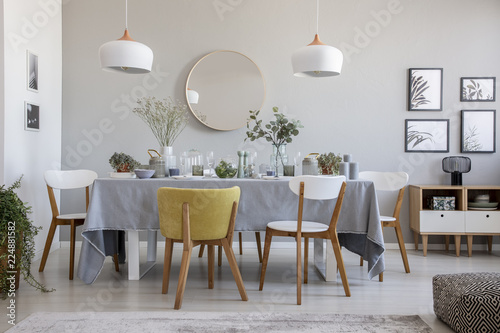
x: 130, y: 204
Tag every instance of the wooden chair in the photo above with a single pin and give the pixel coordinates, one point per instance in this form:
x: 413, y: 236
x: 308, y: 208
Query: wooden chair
x: 63, y: 180
x: 390, y: 181
x: 194, y: 217
x: 257, y: 240
x: 314, y: 188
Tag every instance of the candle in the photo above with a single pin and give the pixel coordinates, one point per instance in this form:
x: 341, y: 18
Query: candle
x: 353, y: 170
x: 347, y: 157
x: 344, y: 169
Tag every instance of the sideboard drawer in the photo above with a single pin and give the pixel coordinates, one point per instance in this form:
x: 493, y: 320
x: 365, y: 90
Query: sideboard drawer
x: 442, y: 221
x: 482, y: 222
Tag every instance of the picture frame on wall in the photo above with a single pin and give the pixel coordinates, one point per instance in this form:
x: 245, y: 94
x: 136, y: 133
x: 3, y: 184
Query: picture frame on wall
x: 31, y: 117
x: 425, y: 89
x: 427, y: 135
x: 32, y: 71
x: 478, y: 89
x: 478, y: 131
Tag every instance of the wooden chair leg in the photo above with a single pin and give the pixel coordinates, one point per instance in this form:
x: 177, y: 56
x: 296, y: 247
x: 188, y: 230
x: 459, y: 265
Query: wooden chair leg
x: 361, y: 261
x: 181, y: 286
x: 306, y: 258
x: 240, y: 242
x: 211, y: 263
x: 219, y: 256
x: 265, y: 259
x: 202, y: 248
x: 115, y: 259
x: 167, y: 263
x: 402, y: 249
x: 299, y: 270
x: 340, y: 264
x: 234, y: 269
x: 381, y: 277
x: 259, y: 246
x: 72, y: 250
x: 48, y: 243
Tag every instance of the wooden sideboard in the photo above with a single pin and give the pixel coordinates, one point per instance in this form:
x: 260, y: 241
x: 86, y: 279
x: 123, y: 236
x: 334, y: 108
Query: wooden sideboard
x: 464, y: 220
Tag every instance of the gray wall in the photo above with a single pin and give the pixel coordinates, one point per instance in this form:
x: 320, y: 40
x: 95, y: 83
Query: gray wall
x: 361, y: 112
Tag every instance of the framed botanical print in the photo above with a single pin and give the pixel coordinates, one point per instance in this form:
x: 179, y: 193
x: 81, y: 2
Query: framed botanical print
x: 477, y: 89
x: 478, y: 131
x: 427, y: 135
x: 425, y: 89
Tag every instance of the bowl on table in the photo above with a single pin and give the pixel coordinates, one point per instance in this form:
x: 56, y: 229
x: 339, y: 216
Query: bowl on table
x: 144, y: 173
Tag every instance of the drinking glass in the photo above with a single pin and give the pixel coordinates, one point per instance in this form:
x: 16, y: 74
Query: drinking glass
x: 210, y: 162
x: 182, y: 159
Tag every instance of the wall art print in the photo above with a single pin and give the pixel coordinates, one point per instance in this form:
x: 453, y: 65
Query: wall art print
x: 478, y: 131
x: 32, y: 71
x: 477, y: 89
x: 31, y: 117
x: 427, y: 135
x: 425, y: 89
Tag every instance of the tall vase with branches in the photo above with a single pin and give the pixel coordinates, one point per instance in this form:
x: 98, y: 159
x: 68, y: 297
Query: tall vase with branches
x: 165, y: 118
x: 279, y: 132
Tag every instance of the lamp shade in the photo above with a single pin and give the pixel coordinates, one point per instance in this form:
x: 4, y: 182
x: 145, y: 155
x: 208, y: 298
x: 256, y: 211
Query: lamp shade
x: 192, y: 96
x: 317, y: 60
x: 126, y: 55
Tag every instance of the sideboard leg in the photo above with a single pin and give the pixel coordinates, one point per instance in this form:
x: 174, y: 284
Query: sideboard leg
x: 469, y: 245
x: 457, y: 245
x: 425, y: 239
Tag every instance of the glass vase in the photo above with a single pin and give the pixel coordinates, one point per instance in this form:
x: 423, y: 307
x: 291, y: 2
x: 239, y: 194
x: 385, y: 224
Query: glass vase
x: 279, y: 158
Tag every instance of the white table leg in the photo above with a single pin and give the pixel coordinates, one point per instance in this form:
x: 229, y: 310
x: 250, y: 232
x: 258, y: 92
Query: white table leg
x: 324, y: 259
x: 135, y: 269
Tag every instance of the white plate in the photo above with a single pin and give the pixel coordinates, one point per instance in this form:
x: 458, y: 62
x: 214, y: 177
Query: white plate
x: 270, y: 177
x: 477, y: 208
x: 483, y: 204
x: 122, y: 174
x: 180, y: 177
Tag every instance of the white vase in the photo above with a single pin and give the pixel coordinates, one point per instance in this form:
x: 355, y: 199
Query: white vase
x: 167, y: 152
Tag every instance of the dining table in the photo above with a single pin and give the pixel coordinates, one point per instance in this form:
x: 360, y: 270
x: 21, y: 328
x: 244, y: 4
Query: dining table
x: 121, y: 206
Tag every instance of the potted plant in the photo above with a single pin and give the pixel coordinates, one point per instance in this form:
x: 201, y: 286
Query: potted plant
x: 165, y: 118
x: 17, y: 241
x: 278, y: 131
x: 122, y: 162
x: 328, y: 163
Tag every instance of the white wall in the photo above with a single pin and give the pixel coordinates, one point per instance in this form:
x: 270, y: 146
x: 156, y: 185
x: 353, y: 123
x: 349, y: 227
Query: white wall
x: 30, y: 25
x: 361, y: 112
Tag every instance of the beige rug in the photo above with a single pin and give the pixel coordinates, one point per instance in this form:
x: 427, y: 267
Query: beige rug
x: 180, y: 321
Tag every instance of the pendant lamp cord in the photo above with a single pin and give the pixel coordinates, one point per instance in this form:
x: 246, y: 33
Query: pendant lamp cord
x: 317, y: 17
x: 126, y: 14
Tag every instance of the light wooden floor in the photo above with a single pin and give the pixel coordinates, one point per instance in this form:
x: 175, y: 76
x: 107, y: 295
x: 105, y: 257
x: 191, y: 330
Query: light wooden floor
x: 400, y: 293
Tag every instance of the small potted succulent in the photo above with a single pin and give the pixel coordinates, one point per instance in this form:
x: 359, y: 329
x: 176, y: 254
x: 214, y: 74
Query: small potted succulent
x: 122, y: 162
x: 329, y: 163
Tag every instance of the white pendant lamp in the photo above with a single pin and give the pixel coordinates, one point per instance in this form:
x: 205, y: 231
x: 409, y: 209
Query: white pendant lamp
x: 317, y: 59
x: 125, y: 54
x: 192, y: 96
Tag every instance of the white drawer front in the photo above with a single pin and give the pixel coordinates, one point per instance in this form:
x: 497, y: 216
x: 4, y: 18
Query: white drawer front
x: 442, y: 221
x: 483, y: 222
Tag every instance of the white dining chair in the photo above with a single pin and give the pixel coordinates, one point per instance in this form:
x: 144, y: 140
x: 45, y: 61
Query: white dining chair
x: 64, y: 180
x: 312, y: 188
x: 390, y: 181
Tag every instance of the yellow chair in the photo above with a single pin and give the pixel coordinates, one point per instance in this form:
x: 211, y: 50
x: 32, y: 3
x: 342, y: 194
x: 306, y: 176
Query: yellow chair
x: 195, y: 217
x: 63, y: 180
x: 313, y: 188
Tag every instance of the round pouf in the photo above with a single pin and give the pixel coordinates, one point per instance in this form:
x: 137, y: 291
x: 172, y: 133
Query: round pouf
x: 468, y: 302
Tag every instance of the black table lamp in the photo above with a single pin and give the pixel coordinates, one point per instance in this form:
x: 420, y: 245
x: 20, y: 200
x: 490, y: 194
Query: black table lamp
x: 456, y: 165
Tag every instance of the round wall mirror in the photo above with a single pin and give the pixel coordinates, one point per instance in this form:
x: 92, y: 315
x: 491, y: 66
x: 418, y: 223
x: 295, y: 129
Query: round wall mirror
x: 222, y: 87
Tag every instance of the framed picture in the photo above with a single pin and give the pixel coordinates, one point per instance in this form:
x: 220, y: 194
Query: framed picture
x: 477, y: 89
x: 427, y: 135
x: 32, y: 71
x: 478, y: 131
x: 425, y: 89
x: 31, y: 117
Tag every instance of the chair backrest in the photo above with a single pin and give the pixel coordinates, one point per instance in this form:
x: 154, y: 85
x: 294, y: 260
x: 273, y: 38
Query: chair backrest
x: 386, y: 181
x: 69, y: 179
x: 317, y: 187
x: 210, y: 211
